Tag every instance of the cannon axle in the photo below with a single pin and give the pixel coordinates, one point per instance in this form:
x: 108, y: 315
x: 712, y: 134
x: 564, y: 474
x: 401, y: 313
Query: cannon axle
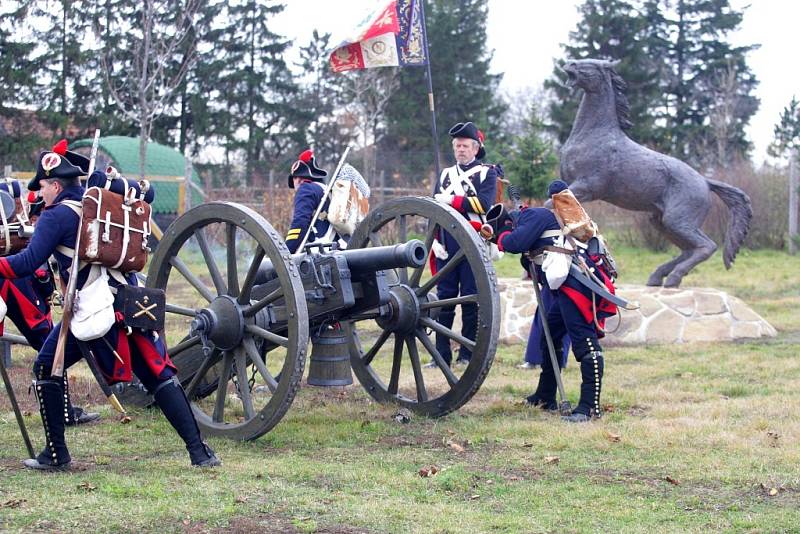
x: 404, y: 311
x: 221, y: 323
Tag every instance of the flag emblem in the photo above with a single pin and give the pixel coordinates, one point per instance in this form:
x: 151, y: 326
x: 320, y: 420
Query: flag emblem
x: 390, y: 36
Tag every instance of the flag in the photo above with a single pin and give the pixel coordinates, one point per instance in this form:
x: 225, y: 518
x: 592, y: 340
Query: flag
x: 391, y: 36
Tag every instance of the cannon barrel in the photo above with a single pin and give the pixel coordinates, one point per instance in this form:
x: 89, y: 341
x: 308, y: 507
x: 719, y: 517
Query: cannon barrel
x: 411, y: 254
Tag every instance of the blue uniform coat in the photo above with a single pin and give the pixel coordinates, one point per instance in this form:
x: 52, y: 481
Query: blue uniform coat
x: 141, y: 352
x: 306, y: 200
x: 527, y: 236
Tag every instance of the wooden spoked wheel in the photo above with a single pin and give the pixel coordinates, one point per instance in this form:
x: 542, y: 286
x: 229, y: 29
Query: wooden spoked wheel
x: 389, y: 347
x: 240, y: 354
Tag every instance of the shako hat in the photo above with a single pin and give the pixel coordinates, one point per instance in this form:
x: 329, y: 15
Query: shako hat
x: 555, y: 187
x: 470, y: 131
x: 59, y: 163
x: 306, y: 167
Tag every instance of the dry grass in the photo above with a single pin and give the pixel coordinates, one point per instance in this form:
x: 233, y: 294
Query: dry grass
x: 697, y: 438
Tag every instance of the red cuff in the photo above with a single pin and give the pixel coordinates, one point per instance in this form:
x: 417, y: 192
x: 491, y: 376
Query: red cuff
x: 458, y: 203
x: 500, y: 240
x: 5, y: 269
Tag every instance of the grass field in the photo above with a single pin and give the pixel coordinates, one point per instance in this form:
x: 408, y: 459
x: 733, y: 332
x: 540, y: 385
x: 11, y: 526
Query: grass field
x: 697, y: 438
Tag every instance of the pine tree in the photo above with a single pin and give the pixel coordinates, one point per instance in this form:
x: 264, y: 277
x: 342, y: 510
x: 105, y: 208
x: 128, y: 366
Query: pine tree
x: 66, y: 84
x: 690, y: 90
x: 16, y: 76
x: 19, y: 140
x: 787, y: 131
x: 463, y: 87
x: 613, y: 30
x: 256, y: 88
x: 110, y: 20
x: 531, y: 161
x: 707, y: 90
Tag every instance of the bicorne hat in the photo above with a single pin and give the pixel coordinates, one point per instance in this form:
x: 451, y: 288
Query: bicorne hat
x: 470, y: 131
x: 59, y: 163
x: 306, y: 167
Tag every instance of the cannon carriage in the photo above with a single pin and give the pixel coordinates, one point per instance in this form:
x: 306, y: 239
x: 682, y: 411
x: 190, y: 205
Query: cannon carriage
x: 241, y: 310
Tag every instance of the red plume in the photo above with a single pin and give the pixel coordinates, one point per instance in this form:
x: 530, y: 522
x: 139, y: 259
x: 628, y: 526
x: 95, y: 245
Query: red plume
x: 32, y: 197
x: 60, y: 148
x: 481, y: 136
x: 306, y: 155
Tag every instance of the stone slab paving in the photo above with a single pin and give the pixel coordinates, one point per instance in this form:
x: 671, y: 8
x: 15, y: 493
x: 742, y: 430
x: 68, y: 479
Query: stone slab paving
x: 679, y: 315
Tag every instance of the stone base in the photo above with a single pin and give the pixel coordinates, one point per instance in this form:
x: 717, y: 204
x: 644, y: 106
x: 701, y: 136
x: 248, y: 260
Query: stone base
x: 665, y: 316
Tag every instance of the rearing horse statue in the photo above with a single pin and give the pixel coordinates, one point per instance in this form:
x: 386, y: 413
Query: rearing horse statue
x: 600, y: 162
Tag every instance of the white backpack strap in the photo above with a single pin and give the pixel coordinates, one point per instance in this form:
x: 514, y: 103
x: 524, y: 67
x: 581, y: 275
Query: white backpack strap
x: 6, y: 230
x: 66, y: 251
x: 484, y: 172
x: 477, y: 168
x: 118, y: 276
x: 551, y: 233
x: 74, y: 205
x: 77, y: 207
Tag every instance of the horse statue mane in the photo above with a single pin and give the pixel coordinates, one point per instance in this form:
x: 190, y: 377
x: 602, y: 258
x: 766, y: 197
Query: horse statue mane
x: 621, y: 100
x: 600, y: 162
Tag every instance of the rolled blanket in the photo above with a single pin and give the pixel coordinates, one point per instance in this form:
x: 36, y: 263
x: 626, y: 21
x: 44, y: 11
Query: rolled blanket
x: 12, y: 187
x: 112, y: 180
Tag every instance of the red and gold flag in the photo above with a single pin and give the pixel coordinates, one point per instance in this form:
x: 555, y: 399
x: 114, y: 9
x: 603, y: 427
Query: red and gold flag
x: 390, y: 36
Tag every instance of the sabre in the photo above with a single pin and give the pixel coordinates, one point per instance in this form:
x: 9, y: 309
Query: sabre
x: 324, y: 197
x: 564, y: 407
x: 101, y: 381
x: 15, y: 406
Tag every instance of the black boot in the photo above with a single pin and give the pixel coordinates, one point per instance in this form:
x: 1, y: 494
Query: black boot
x: 545, y: 394
x: 74, y: 414
x: 591, y: 383
x: 538, y: 402
x: 469, y: 328
x: 50, y: 394
x: 172, y: 400
x: 446, y: 318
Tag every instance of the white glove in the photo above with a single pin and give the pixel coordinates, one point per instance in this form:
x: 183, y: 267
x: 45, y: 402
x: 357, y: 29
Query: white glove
x: 444, y: 198
x: 438, y: 250
x: 495, y: 254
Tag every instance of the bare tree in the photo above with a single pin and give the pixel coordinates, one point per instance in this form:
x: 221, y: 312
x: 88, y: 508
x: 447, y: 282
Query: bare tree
x: 723, y: 115
x: 150, y: 63
x: 370, y: 91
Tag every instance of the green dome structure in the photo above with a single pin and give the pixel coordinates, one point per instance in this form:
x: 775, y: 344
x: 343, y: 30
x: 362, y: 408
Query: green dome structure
x: 164, y: 167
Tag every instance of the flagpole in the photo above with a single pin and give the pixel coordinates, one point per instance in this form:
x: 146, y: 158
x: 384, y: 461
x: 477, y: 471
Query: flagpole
x: 431, y: 104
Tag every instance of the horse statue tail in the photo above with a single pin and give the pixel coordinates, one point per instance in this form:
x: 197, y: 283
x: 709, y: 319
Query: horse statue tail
x: 739, y: 223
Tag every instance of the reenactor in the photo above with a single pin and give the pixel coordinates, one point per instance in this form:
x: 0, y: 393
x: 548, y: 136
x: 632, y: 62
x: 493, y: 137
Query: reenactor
x: 470, y: 187
x: 119, y: 353
x: 308, y: 182
x: 575, y: 311
x: 28, y: 303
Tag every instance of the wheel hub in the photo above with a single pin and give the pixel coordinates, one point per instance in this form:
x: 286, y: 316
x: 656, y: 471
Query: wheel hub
x: 403, y: 311
x: 221, y: 323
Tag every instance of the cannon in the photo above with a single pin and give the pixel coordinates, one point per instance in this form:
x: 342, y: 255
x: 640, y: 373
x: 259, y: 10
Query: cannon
x: 241, y: 310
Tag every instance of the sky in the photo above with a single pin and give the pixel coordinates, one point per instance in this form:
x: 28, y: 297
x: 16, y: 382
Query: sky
x: 526, y: 36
